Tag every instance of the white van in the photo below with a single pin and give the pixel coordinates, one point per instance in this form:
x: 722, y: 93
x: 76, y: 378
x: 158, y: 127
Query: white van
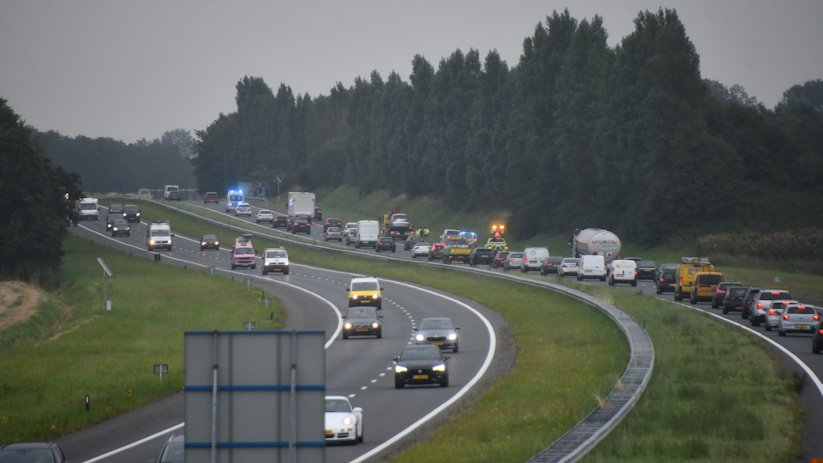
x: 592, y: 267
x: 88, y: 209
x: 534, y: 258
x: 367, y: 233
x: 623, y: 271
x: 159, y: 235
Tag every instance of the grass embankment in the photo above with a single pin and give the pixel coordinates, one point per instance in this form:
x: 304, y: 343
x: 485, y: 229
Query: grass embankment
x: 73, y: 347
x: 716, y: 394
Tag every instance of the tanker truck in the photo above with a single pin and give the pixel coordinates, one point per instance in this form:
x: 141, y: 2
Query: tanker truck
x: 596, y: 241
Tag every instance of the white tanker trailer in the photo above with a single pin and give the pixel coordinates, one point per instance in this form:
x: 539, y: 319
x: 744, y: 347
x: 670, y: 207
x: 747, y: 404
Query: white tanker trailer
x: 596, y: 241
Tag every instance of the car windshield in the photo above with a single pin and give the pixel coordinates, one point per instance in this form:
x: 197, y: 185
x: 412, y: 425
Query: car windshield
x: 436, y: 324
x: 209, y: 238
x: 421, y: 353
x: 273, y: 254
x: 160, y: 232
x: 709, y: 279
x: 244, y: 251
x: 235, y: 198
x: 799, y: 309
x: 738, y: 291
x: 173, y: 453
x: 337, y: 406
x: 571, y: 261
x: 516, y: 255
x: 364, y: 286
x: 363, y: 312
x: 774, y: 295
x: 645, y: 263
x: 131, y: 209
x: 88, y: 207
x: 264, y: 212
x: 334, y: 230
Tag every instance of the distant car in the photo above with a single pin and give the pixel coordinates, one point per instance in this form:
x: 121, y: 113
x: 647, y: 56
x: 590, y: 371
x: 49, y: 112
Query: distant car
x: 513, y: 261
x: 421, y: 365
x: 333, y: 233
x: 132, y: 212
x: 301, y: 225
x: 421, y: 249
x: 798, y: 318
x: 115, y: 209
x: 551, y: 264
x: 623, y: 271
x: 775, y: 312
x: 499, y: 259
x: 209, y: 241
x: 481, y: 256
x: 349, y: 232
x: 646, y: 270
x: 568, y: 266
x: 733, y: 299
x: 243, y: 256
x: 332, y: 222
x: 533, y: 258
x: 362, y: 321
x: 280, y: 221
x: 120, y: 228
x: 720, y: 292
x: 343, y: 423
x: 211, y: 197
x: 666, y: 275
x: 242, y: 209
x: 173, y: 450
x: 275, y: 260
x: 763, y: 301
x: 264, y: 215
x: 318, y: 213
x: 410, y: 241
x: 747, y: 302
x: 36, y: 452
x: 110, y: 220
x: 436, y: 251
x: 365, y: 291
x: 385, y: 243
x: 438, y: 331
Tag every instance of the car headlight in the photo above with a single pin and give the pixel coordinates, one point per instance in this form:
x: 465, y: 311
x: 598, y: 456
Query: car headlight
x: 347, y: 421
x: 400, y: 369
x: 439, y: 368
x: 354, y: 296
x: 347, y: 325
x: 452, y: 336
x: 138, y: 214
x: 375, y: 325
x: 151, y: 241
x: 375, y: 295
x: 419, y: 338
x: 202, y: 243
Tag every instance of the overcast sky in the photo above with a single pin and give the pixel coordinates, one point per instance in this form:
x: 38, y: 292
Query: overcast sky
x: 131, y: 70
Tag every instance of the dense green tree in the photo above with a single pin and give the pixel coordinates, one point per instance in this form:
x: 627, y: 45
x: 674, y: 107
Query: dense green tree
x: 36, y: 204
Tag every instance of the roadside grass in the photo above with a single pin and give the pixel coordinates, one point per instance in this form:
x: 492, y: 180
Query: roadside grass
x: 716, y: 394
x: 73, y: 347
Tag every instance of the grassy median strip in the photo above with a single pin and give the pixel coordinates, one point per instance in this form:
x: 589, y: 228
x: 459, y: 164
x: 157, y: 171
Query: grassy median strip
x: 73, y: 347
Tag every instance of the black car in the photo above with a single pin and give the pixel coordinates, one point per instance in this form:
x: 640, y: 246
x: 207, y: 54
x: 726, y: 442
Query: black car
x: 280, y: 221
x: 746, y: 308
x: 385, y: 243
x: 817, y: 339
x: 120, y: 227
x: 733, y: 298
x: 551, y: 265
x: 301, y: 225
x: 720, y: 292
x: 424, y: 364
x: 131, y: 213
x: 499, y: 259
x: 646, y: 270
x: 410, y: 241
x: 362, y: 321
x: 666, y: 275
x: 209, y: 241
x: 115, y: 209
x: 110, y: 220
x: 481, y: 256
x: 46, y: 452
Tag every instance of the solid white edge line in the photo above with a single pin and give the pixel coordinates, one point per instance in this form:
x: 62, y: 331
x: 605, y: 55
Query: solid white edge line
x: 762, y: 336
x: 180, y: 425
x: 463, y: 391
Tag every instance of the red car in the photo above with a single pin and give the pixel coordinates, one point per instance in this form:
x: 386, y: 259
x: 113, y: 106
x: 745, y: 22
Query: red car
x: 385, y: 243
x: 211, y: 197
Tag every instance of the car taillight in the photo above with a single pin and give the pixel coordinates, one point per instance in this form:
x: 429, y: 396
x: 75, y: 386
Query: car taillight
x: 681, y: 281
x: 786, y: 317
x: 820, y: 332
x: 771, y: 311
x: 775, y: 293
x: 816, y: 317
x: 759, y: 306
x: 661, y: 279
x: 719, y: 291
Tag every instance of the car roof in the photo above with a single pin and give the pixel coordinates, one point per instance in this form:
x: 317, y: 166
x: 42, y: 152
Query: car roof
x: 353, y: 279
x: 263, y: 210
x: 27, y: 446
x: 337, y: 397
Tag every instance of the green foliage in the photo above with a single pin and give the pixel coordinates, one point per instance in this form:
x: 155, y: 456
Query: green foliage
x: 36, y: 204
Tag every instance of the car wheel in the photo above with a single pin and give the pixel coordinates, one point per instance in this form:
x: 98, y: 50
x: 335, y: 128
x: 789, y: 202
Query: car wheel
x: 345, y: 336
x: 725, y: 310
x: 380, y: 334
x: 445, y: 383
x: 781, y: 332
x: 399, y: 385
x: 233, y: 266
x: 265, y: 272
x: 767, y: 326
x: 611, y: 282
x: 755, y: 321
x: 657, y: 290
x: 815, y: 347
x: 285, y: 272
x: 744, y: 314
x: 360, y: 437
x: 634, y: 283
x: 456, y: 348
x: 253, y: 267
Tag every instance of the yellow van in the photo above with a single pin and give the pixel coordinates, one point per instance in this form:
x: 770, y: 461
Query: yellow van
x: 686, y: 271
x: 704, y: 285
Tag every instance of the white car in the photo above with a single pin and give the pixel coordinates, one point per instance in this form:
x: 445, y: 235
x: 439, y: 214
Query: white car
x: 265, y: 215
x: 798, y: 318
x: 421, y: 249
x: 242, y: 209
x: 623, y: 271
x: 343, y: 423
x: 568, y: 266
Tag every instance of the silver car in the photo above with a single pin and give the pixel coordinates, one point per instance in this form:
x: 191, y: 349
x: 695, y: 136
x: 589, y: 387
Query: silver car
x: 421, y: 249
x: 438, y: 331
x: 775, y: 312
x: 333, y: 233
x: 568, y: 266
x: 798, y: 318
x: 514, y: 261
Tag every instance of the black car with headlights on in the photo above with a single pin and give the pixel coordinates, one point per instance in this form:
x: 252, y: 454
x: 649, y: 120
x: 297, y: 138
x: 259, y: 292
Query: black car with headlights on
x: 209, y: 241
x: 131, y: 213
x: 421, y: 365
x: 120, y: 227
x: 362, y: 321
x: 438, y: 331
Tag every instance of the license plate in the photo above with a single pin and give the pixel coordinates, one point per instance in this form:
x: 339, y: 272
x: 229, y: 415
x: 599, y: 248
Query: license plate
x: 588, y: 270
x: 438, y: 343
x: 801, y: 327
x: 362, y: 330
x: 421, y: 377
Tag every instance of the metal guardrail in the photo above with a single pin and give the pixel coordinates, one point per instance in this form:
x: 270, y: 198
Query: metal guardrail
x: 592, y: 429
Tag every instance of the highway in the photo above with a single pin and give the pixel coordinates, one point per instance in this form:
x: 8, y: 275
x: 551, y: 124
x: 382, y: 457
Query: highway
x: 360, y: 368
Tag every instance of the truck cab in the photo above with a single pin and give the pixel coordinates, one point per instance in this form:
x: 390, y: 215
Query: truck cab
x: 687, y: 270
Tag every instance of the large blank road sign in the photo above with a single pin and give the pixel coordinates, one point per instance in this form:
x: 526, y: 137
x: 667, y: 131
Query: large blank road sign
x: 255, y: 396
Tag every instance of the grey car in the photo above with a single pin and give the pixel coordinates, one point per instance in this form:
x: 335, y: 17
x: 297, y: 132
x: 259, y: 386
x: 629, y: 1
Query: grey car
x: 362, y: 321
x: 46, y: 452
x: 438, y: 331
x: 333, y: 233
x: 798, y: 318
x: 513, y: 261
